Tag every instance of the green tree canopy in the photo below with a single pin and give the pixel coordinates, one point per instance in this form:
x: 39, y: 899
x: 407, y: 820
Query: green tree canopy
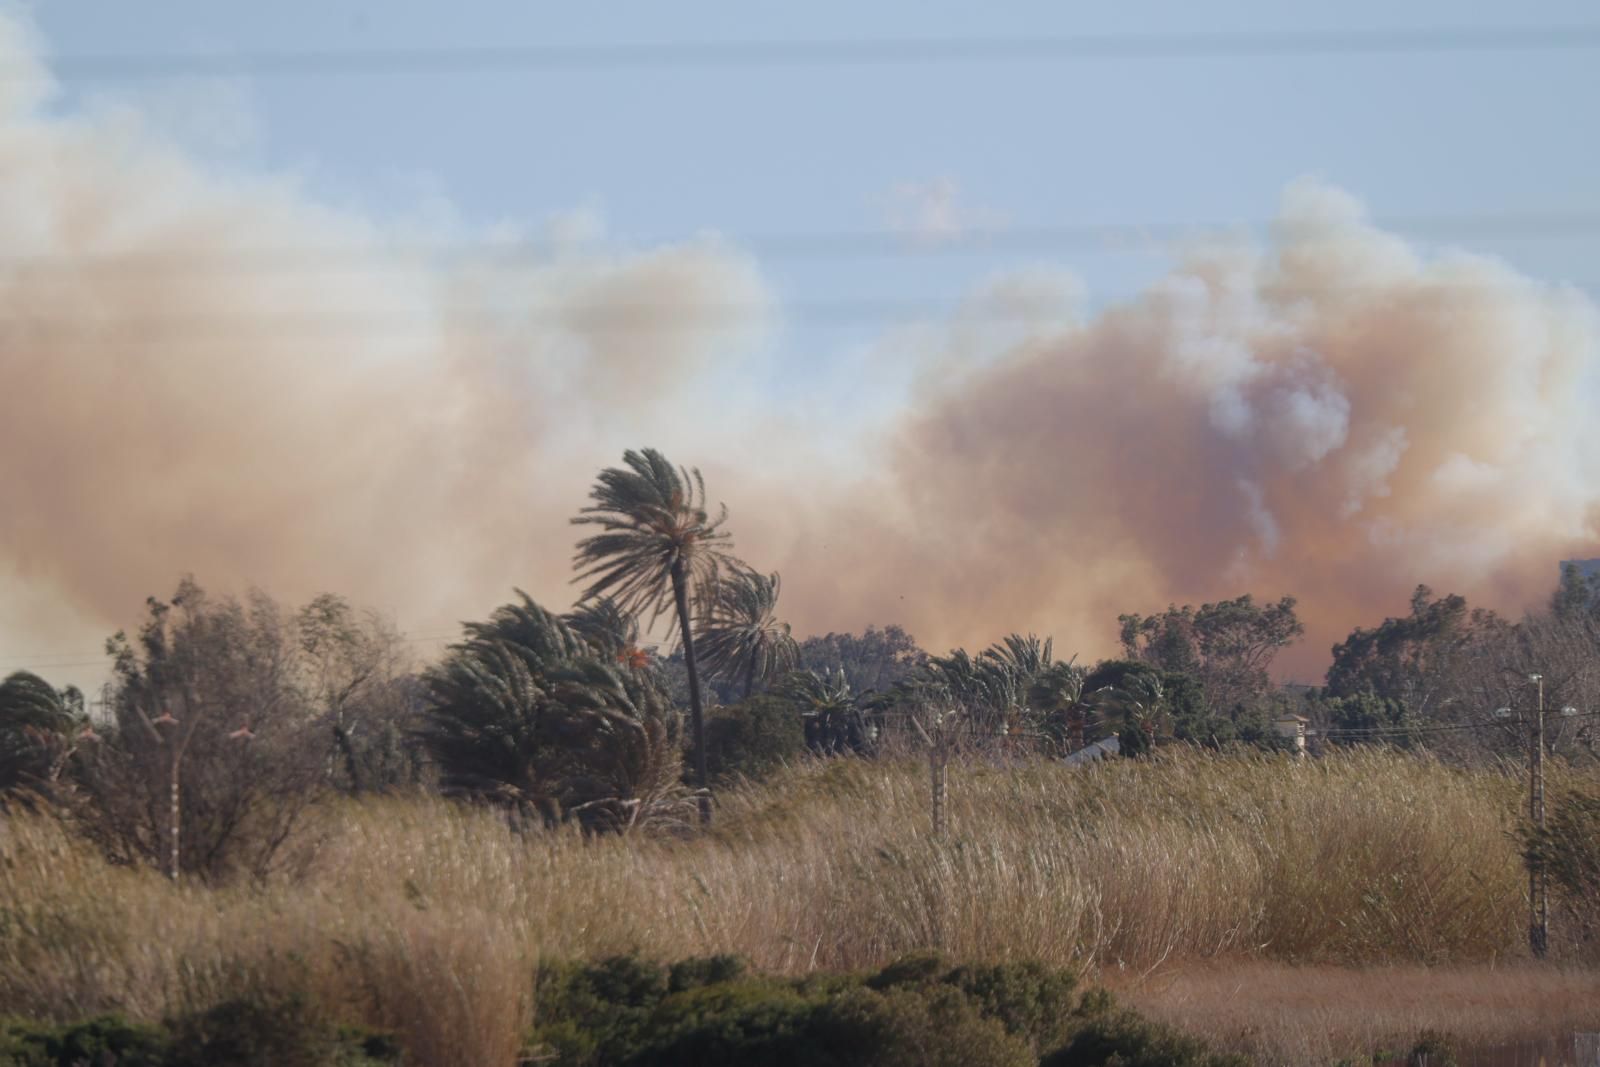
x: 1227, y: 646
x: 871, y: 661
x: 1411, y: 660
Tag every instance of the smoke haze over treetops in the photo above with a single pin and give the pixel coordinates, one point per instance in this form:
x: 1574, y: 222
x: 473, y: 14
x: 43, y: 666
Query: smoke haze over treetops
x: 1336, y: 416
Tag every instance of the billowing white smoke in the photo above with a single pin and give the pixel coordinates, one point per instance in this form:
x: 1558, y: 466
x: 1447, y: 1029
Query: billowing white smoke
x: 1333, y: 417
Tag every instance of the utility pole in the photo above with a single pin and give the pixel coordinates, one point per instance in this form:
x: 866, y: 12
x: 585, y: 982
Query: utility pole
x: 1538, y: 886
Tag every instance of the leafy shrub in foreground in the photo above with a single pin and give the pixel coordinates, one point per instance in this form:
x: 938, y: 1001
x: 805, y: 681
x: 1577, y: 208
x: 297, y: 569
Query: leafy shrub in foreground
x: 107, y: 1039
x: 1126, y: 1039
x: 916, y: 1012
x: 278, y: 1032
x: 237, y: 1033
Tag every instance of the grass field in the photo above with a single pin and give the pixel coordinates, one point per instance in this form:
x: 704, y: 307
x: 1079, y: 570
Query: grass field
x: 1222, y: 893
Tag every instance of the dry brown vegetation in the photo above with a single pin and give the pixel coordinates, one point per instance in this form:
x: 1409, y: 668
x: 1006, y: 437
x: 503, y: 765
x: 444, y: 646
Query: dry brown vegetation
x: 1319, y: 1015
x: 427, y: 917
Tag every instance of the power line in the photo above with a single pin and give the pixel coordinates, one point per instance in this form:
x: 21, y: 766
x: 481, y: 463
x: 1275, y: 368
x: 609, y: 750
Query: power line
x: 1038, y: 238
x: 749, y: 55
x: 133, y: 332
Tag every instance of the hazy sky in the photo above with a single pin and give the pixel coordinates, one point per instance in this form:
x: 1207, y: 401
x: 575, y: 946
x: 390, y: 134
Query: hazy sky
x: 632, y: 161
x: 804, y: 149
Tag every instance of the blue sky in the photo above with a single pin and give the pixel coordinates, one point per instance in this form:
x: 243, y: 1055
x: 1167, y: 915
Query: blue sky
x: 661, y: 154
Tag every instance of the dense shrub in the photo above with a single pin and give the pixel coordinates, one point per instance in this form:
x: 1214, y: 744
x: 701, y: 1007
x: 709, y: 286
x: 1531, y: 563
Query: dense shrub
x: 238, y: 1033
x: 916, y: 1012
x: 1125, y: 1039
x: 273, y: 1032
x: 107, y: 1039
x: 754, y: 737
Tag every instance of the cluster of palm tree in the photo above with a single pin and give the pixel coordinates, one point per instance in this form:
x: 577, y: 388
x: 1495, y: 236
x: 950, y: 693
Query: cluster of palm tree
x: 40, y: 729
x: 555, y: 717
x: 1015, y: 688
x: 740, y: 635
x: 569, y: 715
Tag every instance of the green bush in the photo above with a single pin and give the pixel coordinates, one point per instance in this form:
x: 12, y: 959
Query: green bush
x: 107, y: 1039
x: 1030, y: 1000
x: 916, y: 1012
x: 273, y: 1032
x: 754, y: 737
x: 596, y: 1013
x: 238, y: 1033
x: 1433, y: 1049
x: 913, y: 969
x: 702, y: 971
x: 1126, y: 1039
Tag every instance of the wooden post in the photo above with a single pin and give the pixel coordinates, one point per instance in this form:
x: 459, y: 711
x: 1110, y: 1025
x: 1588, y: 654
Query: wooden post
x: 1538, y: 886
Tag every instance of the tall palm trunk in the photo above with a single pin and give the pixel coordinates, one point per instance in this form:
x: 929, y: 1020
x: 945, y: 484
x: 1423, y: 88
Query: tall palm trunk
x: 680, y: 592
x: 749, y: 678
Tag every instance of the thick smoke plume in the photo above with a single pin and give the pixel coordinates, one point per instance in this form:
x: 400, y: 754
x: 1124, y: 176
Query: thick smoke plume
x: 211, y: 373
x: 1335, y: 416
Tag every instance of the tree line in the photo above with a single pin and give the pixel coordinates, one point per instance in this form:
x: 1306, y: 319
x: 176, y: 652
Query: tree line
x: 226, y: 719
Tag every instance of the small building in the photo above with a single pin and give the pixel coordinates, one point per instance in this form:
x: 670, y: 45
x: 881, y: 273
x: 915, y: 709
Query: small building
x: 1292, y: 728
x: 1094, y: 753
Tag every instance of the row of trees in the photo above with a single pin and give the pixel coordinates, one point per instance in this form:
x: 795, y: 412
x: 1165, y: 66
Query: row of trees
x: 222, y: 721
x: 226, y: 718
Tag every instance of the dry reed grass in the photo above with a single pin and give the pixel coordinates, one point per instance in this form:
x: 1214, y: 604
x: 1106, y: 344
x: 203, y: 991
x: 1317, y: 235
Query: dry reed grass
x: 1292, y: 1016
x: 428, y: 917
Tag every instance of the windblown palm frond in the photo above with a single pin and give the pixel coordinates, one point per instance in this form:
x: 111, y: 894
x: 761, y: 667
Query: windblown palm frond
x: 834, y: 720
x: 530, y: 627
x: 658, y: 548
x: 1137, y: 702
x: 988, y: 688
x: 1025, y: 656
x: 1056, y: 698
x: 630, y: 737
x: 612, y: 633
x: 527, y: 714
x: 653, y: 521
x: 487, y: 726
x: 40, y: 728
x: 740, y: 637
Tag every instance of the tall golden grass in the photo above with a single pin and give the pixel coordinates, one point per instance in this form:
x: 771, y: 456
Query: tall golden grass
x: 428, y: 917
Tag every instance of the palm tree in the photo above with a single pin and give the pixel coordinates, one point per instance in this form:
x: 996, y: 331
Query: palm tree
x: 40, y: 729
x: 1136, y: 698
x: 1056, y: 696
x: 833, y: 718
x: 656, y: 539
x: 740, y: 635
x: 610, y: 631
x: 1027, y: 656
x: 989, y: 688
x: 525, y: 712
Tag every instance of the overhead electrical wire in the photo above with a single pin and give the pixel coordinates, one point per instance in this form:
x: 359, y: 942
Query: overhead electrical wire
x: 666, y: 56
x: 1119, y: 238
